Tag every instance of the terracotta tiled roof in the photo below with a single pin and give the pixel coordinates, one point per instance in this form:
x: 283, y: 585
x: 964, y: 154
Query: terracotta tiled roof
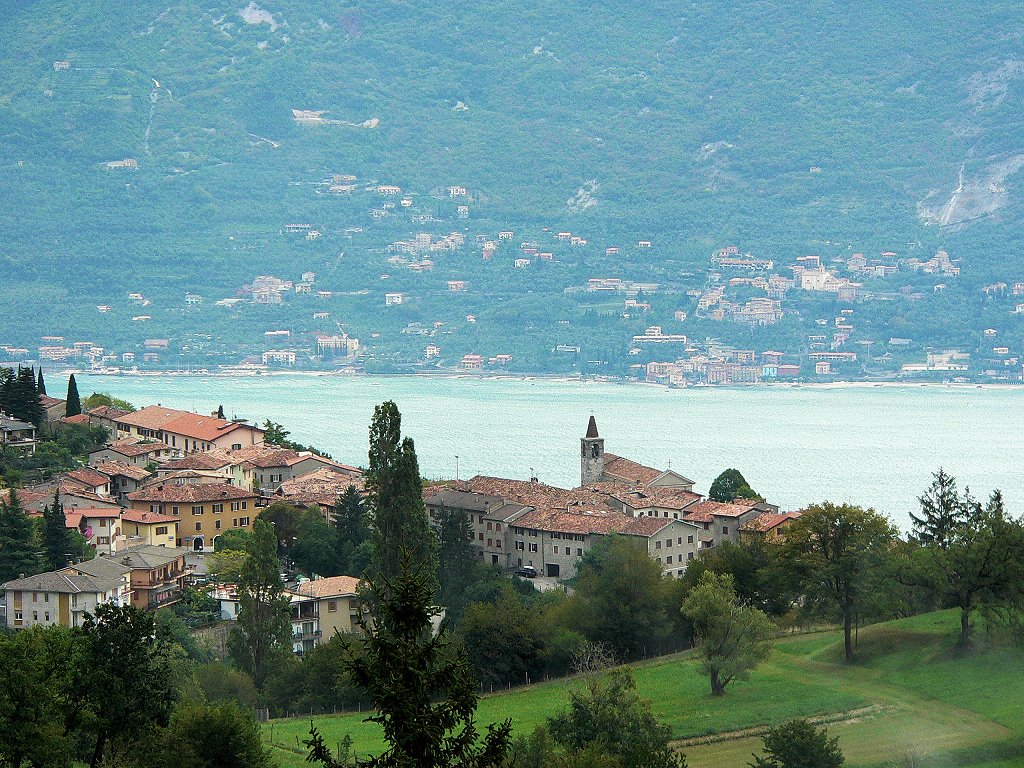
x: 653, y: 496
x: 724, y: 509
x: 538, y: 495
x: 323, y: 486
x: 78, y: 418
x: 189, y: 493
x: 113, y: 468
x: 108, y: 412
x: 29, y: 499
x: 198, y: 427
x: 151, y: 417
x: 146, y: 518
x: 133, y: 448
x: 329, y: 587
x: 629, y: 471
x: 201, y: 460
x: 49, y: 402
x: 90, y: 478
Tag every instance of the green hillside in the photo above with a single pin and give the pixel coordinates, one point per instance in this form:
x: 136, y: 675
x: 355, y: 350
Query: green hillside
x: 783, y: 129
x: 909, y: 698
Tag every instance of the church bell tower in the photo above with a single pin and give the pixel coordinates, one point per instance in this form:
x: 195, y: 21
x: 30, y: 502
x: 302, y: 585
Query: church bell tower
x: 591, y: 455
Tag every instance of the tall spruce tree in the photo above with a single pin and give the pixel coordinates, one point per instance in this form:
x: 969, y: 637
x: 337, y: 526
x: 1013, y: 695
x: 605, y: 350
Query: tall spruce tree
x: 943, y: 511
x: 421, y: 686
x: 400, y: 525
x: 40, y: 384
x: 6, y: 390
x: 352, y: 531
x: 262, y: 634
x: 59, y: 545
x: 17, y: 540
x: 74, y: 406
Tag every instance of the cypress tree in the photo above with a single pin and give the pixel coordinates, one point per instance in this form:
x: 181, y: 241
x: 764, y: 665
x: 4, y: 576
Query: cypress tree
x: 400, y: 525
x: 74, y: 403
x: 58, y: 543
x: 26, y: 397
x: 17, y: 540
x: 6, y: 390
x: 220, y: 412
x: 40, y: 384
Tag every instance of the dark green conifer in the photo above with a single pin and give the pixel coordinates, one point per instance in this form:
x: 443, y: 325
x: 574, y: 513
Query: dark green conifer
x: 74, y: 406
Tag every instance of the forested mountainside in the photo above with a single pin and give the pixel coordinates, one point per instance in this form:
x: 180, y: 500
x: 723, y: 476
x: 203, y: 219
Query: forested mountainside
x: 161, y: 148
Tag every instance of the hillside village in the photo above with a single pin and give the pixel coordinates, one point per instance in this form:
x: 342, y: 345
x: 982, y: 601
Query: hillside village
x: 152, y: 502
x: 433, y: 303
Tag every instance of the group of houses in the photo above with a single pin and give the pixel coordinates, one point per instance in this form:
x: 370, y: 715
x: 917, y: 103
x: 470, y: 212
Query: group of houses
x: 154, y: 499
x: 518, y: 524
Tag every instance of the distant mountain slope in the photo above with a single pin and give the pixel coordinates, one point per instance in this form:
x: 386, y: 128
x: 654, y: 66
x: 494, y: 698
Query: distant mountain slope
x: 771, y: 125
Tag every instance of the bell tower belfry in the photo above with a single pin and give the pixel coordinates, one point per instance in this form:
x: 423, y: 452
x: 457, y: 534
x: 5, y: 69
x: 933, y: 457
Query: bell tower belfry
x: 591, y: 455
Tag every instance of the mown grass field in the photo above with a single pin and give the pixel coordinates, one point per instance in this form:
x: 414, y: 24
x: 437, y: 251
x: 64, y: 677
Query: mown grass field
x: 910, y: 700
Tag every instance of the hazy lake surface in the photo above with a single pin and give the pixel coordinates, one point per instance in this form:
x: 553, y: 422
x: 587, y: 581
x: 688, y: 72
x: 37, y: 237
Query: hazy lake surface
x: 874, y: 446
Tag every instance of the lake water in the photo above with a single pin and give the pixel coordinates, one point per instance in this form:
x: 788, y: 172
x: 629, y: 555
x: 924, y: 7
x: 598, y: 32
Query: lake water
x: 874, y: 446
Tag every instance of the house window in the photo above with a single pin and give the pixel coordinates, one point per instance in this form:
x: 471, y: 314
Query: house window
x: 668, y: 560
x: 497, y: 543
x: 236, y: 446
x: 497, y: 527
x: 481, y: 536
x: 657, y: 545
x: 47, y: 616
x: 245, y: 505
x: 689, y: 539
x: 488, y: 526
x: 235, y: 506
x: 199, y: 525
x: 197, y: 510
x: 725, y: 529
x: 218, y: 508
x: 332, y: 606
x: 668, y: 543
x: 579, y: 551
x: 519, y: 546
x: 533, y: 546
x: 234, y: 522
x: 243, y: 521
x: 689, y: 555
x: 35, y: 615
x: 155, y: 508
x: 216, y: 524
x: 161, y: 530
x: 174, y: 510
x: 489, y: 544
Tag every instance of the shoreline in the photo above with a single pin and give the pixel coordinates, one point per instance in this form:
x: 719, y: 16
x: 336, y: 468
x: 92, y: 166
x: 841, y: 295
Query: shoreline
x: 553, y: 378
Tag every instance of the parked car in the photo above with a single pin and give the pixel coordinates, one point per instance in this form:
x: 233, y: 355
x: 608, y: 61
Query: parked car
x: 527, y: 572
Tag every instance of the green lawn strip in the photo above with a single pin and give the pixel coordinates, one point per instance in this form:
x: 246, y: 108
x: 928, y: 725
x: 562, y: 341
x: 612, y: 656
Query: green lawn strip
x: 926, y: 700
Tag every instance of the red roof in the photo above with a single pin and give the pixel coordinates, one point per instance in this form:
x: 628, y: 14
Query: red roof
x: 628, y: 470
x: 88, y: 477
x: 79, y: 418
x: 768, y: 521
x: 203, y: 427
x: 190, y: 493
x: 736, y: 508
x: 133, y: 447
x: 146, y: 518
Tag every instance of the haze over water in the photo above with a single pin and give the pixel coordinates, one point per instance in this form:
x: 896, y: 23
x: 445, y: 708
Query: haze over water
x: 874, y: 446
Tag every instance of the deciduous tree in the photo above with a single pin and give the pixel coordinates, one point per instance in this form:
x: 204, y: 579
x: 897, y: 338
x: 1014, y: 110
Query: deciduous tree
x: 731, y: 485
x: 606, y: 716
x: 836, y: 554
x: 732, y: 639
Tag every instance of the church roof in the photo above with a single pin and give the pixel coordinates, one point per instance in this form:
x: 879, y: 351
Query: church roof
x: 592, y: 428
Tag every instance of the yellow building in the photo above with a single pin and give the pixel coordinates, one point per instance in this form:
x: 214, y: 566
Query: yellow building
x: 203, y: 510
x: 152, y: 528
x: 338, y: 603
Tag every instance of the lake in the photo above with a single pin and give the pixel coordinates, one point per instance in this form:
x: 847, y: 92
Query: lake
x: 873, y: 446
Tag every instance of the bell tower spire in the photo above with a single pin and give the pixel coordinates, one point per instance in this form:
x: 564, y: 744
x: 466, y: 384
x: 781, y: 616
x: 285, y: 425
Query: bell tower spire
x: 591, y: 455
